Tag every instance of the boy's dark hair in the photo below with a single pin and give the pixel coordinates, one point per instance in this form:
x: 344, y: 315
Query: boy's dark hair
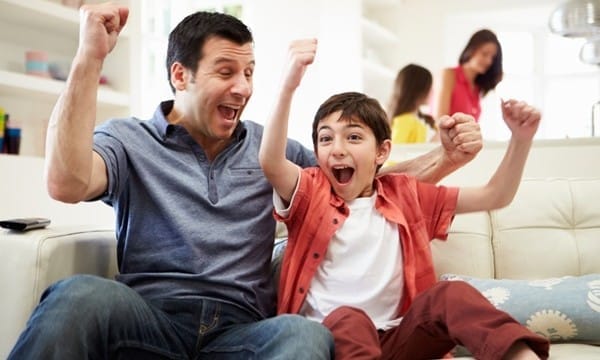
x: 187, y: 39
x: 488, y: 80
x: 357, y: 107
x: 413, y: 82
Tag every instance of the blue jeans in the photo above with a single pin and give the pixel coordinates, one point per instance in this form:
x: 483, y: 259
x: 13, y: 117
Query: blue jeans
x: 87, y: 317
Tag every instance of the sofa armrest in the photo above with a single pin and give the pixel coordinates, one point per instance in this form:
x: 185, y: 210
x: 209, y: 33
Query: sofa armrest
x: 31, y: 261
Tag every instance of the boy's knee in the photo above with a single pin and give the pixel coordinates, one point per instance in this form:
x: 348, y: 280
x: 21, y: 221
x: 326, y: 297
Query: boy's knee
x: 459, y: 289
x: 346, y: 315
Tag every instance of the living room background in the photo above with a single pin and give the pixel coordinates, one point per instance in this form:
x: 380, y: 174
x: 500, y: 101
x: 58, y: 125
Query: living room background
x: 540, y: 67
x: 362, y: 45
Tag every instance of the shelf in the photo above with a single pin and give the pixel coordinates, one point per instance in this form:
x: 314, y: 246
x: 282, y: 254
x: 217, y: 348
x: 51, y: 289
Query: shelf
x: 44, y: 16
x: 373, y: 69
x: 16, y: 84
x: 375, y: 34
x: 41, y: 14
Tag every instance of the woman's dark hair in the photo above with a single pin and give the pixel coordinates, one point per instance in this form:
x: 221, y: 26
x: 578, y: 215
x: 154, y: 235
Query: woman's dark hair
x: 488, y: 80
x: 187, y: 39
x: 357, y: 107
x: 413, y: 82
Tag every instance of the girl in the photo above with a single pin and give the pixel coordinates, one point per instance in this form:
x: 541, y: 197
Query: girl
x: 411, y: 90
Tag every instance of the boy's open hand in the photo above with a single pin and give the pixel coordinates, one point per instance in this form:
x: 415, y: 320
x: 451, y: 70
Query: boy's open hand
x: 522, y: 119
x: 301, y: 53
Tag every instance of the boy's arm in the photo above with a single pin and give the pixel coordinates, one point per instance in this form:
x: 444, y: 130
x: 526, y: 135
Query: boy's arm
x: 523, y: 121
x: 282, y: 173
x: 461, y: 141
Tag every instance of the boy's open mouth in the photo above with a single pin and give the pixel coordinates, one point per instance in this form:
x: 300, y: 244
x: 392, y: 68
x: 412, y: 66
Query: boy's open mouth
x: 342, y: 174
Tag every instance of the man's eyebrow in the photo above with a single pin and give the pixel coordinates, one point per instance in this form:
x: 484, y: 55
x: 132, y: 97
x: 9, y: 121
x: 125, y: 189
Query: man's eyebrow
x: 224, y: 60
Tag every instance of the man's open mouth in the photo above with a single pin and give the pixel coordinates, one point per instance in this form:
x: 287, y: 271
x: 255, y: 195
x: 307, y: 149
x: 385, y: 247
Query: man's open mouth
x: 227, y: 112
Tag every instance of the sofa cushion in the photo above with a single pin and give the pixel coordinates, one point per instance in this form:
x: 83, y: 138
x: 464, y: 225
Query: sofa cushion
x: 561, y: 309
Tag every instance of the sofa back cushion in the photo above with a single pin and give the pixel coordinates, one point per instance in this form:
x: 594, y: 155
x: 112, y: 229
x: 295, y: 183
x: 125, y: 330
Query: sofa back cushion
x: 551, y: 229
x: 468, y: 249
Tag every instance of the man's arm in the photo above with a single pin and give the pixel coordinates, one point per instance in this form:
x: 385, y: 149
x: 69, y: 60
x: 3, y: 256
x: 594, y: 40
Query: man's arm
x: 73, y: 171
x: 461, y: 141
x: 523, y: 121
x: 282, y: 173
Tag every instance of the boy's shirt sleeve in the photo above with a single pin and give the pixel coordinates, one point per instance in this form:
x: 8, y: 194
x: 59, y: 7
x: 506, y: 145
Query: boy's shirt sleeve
x: 280, y: 210
x: 438, y: 206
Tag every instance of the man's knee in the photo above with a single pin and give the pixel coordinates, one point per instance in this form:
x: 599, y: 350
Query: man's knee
x: 83, y: 294
x: 296, y: 324
x: 312, y: 333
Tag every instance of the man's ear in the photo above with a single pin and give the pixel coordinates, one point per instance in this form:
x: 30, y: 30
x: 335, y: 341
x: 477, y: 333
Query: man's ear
x: 179, y: 76
x: 383, y: 151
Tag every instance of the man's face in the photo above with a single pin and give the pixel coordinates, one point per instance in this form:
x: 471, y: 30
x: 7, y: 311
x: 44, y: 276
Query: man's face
x: 219, y: 90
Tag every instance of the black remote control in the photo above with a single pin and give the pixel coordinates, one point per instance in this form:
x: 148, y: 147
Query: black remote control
x: 24, y: 224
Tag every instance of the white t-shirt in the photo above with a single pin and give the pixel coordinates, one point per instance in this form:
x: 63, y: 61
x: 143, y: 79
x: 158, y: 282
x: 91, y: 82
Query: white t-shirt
x: 362, y: 268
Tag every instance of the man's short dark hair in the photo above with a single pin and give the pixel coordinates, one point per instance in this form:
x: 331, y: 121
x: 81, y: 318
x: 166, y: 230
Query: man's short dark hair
x: 187, y: 39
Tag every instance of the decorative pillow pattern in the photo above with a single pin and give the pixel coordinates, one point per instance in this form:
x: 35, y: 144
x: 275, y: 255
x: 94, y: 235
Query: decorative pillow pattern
x: 560, y: 309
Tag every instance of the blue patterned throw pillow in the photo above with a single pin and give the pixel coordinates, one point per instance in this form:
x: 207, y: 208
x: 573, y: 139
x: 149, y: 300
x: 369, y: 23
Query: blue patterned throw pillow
x: 565, y: 309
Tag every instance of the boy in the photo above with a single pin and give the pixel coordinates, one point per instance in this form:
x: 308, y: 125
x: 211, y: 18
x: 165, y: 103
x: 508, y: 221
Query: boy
x: 358, y: 256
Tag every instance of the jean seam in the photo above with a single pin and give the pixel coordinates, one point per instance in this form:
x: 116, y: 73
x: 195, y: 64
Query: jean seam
x: 203, y: 329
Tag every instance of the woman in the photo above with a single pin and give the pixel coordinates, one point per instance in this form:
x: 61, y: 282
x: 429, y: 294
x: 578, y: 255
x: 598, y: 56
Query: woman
x: 478, y: 72
x: 411, y: 90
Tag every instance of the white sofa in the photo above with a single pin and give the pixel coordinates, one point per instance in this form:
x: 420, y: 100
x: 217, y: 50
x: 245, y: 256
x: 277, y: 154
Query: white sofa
x: 552, y: 229
x: 80, y: 239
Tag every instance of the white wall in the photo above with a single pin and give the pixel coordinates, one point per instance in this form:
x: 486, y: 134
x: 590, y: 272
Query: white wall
x: 274, y: 25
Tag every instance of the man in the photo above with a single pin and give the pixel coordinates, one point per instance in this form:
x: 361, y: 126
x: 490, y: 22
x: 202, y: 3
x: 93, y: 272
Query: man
x: 194, y: 211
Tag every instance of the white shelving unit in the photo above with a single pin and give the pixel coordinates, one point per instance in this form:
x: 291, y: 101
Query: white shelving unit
x: 377, y: 43
x: 51, y: 27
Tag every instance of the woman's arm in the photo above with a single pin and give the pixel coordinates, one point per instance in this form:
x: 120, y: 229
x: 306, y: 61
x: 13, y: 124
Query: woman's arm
x: 445, y: 93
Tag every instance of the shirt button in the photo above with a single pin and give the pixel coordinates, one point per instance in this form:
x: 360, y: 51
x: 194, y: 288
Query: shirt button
x: 301, y: 290
x: 316, y: 255
x: 335, y: 221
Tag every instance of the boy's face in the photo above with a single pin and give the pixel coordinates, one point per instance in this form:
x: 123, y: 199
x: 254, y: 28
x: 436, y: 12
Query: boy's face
x: 348, y: 154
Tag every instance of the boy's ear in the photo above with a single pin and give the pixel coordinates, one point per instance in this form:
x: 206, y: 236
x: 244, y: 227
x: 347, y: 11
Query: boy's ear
x: 383, y: 151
